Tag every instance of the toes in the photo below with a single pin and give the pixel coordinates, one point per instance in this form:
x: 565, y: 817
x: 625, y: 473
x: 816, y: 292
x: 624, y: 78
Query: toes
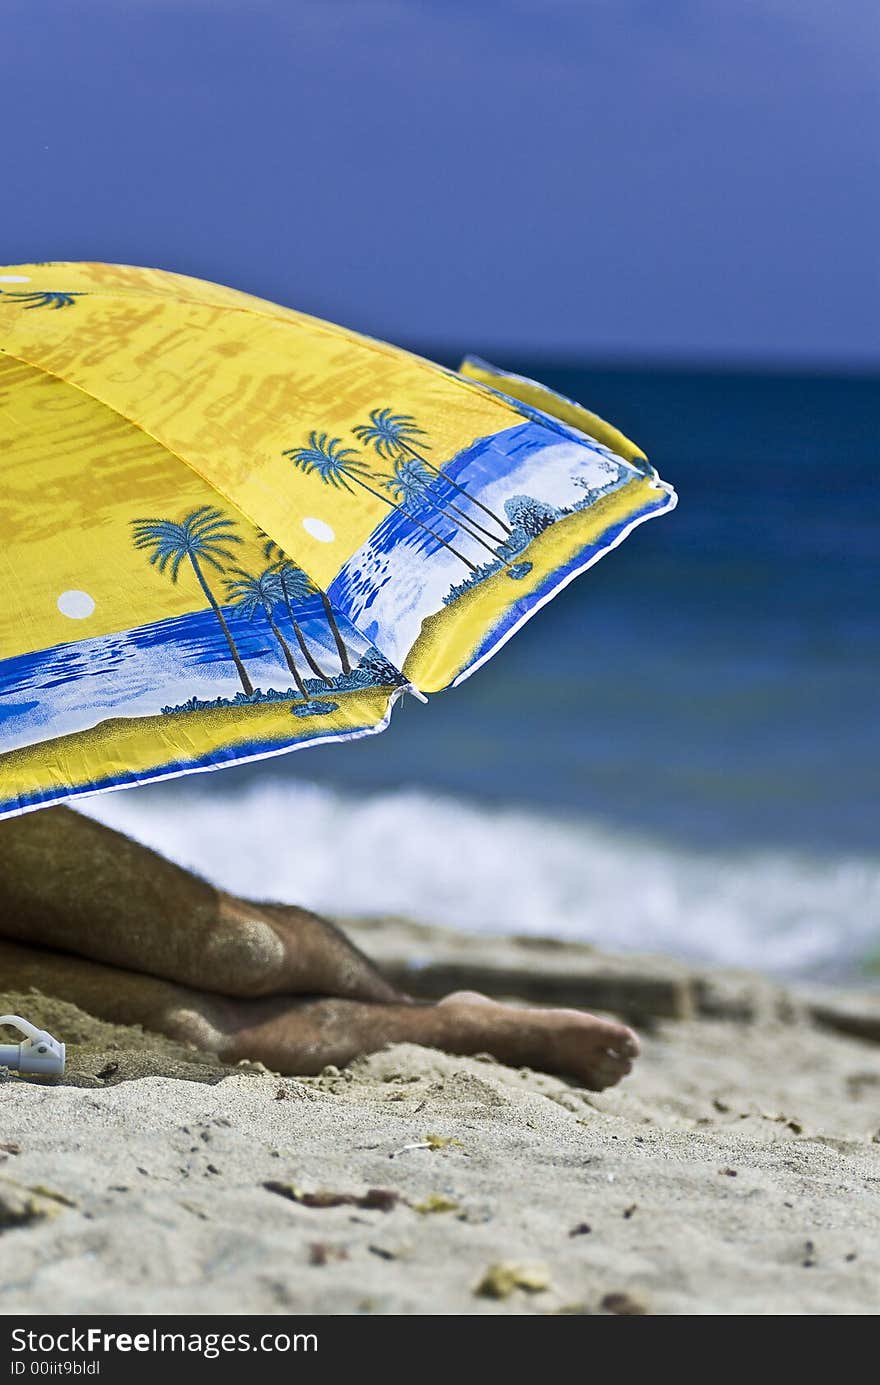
x: 608, y: 1074
x: 625, y: 1043
x: 615, y: 1068
x: 607, y: 1068
x: 598, y: 1083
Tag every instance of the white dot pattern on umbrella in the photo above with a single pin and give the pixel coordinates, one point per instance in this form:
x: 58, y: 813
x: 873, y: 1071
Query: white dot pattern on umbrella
x: 75, y: 604
x: 319, y: 530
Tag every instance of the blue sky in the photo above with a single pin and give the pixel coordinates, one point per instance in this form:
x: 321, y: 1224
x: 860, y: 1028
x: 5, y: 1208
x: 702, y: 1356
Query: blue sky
x: 650, y: 179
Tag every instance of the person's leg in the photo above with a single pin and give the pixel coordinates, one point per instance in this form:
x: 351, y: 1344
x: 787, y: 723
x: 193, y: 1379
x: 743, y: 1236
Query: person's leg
x: 110, y: 993
x: 182, y: 954
x: 68, y: 882
x: 301, y: 1036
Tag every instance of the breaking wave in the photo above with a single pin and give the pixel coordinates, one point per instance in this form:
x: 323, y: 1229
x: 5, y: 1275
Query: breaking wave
x: 453, y: 862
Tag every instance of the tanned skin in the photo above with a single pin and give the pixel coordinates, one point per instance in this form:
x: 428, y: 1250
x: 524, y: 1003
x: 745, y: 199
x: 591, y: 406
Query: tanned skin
x: 91, y: 916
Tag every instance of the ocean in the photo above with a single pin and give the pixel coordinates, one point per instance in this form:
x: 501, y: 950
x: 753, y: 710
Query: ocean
x: 679, y: 754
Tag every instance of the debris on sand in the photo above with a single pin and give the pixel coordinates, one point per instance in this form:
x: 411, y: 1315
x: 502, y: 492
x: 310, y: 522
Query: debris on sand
x: 373, y: 1200
x: 22, y: 1206
x: 623, y: 1305
x: 500, y: 1280
x: 429, y: 1142
x: 323, y: 1253
x: 435, y: 1202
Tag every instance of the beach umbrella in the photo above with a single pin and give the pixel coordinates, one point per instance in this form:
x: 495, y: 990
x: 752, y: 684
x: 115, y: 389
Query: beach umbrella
x: 229, y: 529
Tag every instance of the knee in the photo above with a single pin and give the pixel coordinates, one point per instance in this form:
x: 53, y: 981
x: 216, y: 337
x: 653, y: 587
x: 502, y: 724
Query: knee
x: 202, y: 1025
x: 244, y: 954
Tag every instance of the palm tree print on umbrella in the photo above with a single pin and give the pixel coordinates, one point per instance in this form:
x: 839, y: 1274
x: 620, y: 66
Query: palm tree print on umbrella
x: 249, y: 595
x: 203, y: 537
x: 337, y: 465
x: 296, y: 585
x: 392, y: 435
x: 34, y: 298
x: 409, y: 485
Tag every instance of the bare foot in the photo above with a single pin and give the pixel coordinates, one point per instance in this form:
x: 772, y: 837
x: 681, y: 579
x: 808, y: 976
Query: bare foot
x: 301, y: 1036
x: 597, y: 1052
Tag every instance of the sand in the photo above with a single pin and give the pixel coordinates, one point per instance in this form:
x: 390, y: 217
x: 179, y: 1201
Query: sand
x: 737, y: 1171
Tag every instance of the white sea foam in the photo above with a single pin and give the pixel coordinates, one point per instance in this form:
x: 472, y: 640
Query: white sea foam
x: 492, y: 870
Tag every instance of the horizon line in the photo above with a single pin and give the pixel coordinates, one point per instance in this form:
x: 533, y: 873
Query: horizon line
x: 567, y: 358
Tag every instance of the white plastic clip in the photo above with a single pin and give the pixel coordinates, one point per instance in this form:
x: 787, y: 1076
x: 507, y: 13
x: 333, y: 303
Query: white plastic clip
x: 39, y: 1053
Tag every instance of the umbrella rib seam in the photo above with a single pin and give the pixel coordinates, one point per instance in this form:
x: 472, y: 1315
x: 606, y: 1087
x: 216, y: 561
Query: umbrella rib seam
x: 321, y: 328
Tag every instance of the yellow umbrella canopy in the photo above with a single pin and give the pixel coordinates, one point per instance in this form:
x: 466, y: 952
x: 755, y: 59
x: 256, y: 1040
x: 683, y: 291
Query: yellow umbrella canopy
x: 229, y: 529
